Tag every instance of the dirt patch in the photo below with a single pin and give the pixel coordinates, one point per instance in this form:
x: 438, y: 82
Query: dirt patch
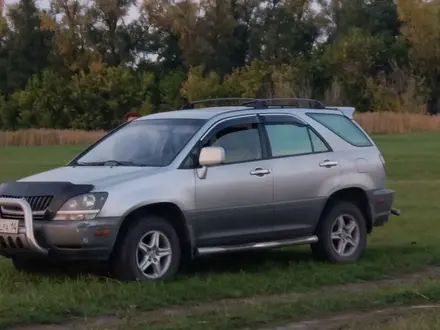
x: 164, y: 314
x: 342, y: 320
x: 77, y: 324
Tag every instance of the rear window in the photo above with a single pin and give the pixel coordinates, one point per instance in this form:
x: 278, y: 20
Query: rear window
x: 342, y: 127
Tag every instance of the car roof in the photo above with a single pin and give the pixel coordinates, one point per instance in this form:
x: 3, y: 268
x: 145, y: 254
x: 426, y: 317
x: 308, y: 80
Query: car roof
x: 210, y: 112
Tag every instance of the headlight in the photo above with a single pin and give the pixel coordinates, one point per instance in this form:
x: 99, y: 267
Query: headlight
x: 83, y: 207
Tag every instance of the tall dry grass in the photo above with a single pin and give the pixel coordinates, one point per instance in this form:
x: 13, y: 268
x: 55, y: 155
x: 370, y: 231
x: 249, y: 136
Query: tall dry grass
x: 39, y: 137
x: 397, y: 123
x: 373, y: 123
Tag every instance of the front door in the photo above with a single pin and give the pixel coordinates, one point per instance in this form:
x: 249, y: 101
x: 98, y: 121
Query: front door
x: 234, y: 200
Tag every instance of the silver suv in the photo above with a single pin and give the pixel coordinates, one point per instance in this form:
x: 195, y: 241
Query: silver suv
x: 176, y: 185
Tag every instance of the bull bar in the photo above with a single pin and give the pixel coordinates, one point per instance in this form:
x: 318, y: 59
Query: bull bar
x: 25, y: 233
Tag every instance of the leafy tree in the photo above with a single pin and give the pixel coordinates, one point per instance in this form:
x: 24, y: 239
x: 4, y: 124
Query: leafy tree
x: 83, y: 64
x: 199, y: 86
x: 41, y: 104
x: 422, y: 29
x: 68, y: 19
x: 351, y: 59
x: 287, y: 31
x: 99, y: 100
x: 169, y: 90
x: 25, y: 47
x: 94, y: 100
x: 107, y: 31
x: 250, y: 81
x: 378, y: 17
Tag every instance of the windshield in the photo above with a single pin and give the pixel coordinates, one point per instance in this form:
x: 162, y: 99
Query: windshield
x: 150, y: 142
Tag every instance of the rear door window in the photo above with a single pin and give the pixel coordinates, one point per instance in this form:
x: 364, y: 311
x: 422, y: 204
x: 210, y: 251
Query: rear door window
x: 289, y: 140
x: 289, y: 137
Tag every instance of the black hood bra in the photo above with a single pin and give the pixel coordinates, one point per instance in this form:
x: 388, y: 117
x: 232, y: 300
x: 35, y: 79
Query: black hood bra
x: 59, y: 192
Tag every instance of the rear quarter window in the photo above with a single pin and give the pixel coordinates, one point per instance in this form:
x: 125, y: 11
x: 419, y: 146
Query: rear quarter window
x: 342, y: 127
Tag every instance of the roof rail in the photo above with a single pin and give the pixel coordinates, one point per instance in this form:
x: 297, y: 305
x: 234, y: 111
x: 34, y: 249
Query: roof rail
x: 259, y: 103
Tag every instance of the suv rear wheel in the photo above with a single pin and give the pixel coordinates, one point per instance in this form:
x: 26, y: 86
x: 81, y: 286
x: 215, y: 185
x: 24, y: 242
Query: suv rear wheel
x: 150, y: 251
x: 342, y: 234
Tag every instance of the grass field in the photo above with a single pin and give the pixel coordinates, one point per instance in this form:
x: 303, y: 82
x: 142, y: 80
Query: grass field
x: 406, y: 243
x: 415, y: 320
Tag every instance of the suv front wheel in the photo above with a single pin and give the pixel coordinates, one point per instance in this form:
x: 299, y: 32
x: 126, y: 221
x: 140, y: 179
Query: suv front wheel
x: 150, y: 251
x: 342, y: 234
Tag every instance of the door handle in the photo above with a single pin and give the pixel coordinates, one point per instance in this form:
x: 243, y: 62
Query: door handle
x: 259, y: 172
x: 328, y: 163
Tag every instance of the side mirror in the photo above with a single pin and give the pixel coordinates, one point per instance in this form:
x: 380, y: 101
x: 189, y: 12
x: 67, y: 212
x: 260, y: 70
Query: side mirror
x: 211, y: 156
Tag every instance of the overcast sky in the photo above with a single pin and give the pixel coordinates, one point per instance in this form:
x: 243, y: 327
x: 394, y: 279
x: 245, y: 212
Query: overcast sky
x: 133, y: 13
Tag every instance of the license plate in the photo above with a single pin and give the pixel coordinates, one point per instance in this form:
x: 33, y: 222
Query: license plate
x: 9, y: 226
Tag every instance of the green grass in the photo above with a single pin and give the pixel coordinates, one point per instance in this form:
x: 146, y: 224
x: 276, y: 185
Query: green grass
x: 18, y: 162
x: 406, y: 243
x: 307, y: 308
x: 414, y: 320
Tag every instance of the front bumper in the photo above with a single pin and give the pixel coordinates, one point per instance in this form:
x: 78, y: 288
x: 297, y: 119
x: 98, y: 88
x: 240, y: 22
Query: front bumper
x: 381, y: 206
x: 67, y: 240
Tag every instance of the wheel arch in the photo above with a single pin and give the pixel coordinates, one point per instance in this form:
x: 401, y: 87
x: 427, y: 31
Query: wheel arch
x: 167, y: 210
x: 356, y: 195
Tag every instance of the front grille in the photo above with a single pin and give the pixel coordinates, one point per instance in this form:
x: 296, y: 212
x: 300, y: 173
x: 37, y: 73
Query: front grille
x: 39, y: 205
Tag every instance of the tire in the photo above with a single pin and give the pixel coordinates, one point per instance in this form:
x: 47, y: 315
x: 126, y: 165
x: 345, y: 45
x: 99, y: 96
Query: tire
x: 326, y: 248
x: 125, y: 263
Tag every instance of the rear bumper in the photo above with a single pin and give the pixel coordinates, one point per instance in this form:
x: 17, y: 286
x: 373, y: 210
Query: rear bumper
x: 66, y: 240
x: 381, y: 206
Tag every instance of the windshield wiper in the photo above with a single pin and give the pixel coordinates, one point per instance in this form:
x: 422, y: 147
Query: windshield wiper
x: 110, y: 162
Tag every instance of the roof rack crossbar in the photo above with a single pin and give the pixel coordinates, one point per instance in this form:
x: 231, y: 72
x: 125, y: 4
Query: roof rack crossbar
x: 190, y: 105
x: 258, y: 103
x: 310, y: 102
x: 299, y: 99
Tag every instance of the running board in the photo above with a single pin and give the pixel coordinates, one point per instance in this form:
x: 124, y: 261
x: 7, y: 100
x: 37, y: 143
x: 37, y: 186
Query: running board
x: 257, y: 246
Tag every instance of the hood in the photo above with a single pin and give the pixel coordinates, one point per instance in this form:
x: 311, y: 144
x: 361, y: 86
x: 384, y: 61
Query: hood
x: 99, y: 176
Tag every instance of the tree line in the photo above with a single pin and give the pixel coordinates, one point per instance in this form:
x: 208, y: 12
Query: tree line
x: 83, y: 65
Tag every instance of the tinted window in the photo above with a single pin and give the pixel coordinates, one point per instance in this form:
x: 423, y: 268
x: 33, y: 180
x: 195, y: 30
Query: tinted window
x: 150, y: 142
x: 241, y: 143
x: 317, y: 143
x: 343, y: 127
x: 288, y: 139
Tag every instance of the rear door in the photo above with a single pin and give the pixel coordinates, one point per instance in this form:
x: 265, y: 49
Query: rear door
x: 304, y: 171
